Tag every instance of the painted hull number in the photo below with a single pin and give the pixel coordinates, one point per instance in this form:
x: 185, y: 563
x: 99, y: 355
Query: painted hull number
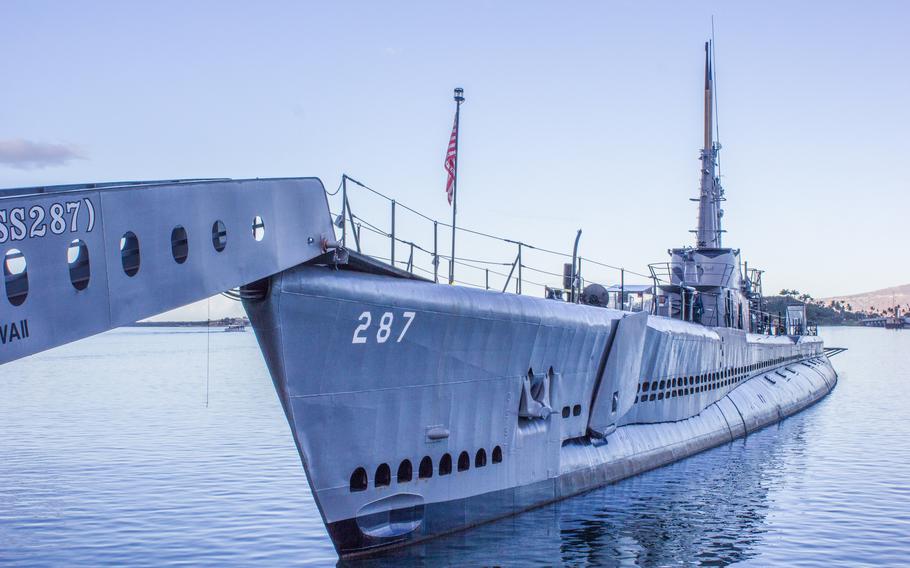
x: 384, y: 331
x: 34, y: 222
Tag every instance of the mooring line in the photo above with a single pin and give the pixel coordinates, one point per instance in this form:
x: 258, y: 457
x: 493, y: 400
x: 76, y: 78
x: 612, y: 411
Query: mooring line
x: 208, y: 347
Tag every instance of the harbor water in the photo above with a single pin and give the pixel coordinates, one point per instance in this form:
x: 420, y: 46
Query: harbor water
x: 154, y: 446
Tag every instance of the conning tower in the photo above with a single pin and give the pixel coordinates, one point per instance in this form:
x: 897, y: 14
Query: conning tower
x: 705, y: 283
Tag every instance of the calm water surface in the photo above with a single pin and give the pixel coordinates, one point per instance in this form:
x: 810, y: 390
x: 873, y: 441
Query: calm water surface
x: 109, y: 454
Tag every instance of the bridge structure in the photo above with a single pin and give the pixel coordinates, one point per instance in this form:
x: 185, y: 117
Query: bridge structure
x: 82, y: 259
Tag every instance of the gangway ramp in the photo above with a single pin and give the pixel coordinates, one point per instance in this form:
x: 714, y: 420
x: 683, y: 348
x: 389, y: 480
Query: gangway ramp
x: 81, y: 259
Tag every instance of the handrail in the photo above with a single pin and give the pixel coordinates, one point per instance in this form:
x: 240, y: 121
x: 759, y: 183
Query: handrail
x: 348, y: 221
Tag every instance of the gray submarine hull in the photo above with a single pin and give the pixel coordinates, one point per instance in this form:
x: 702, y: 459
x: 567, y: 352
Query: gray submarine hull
x: 420, y: 409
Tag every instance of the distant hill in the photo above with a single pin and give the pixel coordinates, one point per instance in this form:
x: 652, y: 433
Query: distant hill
x: 877, y: 301
x: 818, y: 312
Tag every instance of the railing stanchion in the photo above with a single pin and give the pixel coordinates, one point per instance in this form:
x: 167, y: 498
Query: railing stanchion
x: 393, y: 232
x: 576, y: 269
x: 580, y: 286
x: 509, y: 277
x: 344, y: 210
x: 622, y: 289
x: 435, y: 252
x: 487, y: 280
x: 518, y: 283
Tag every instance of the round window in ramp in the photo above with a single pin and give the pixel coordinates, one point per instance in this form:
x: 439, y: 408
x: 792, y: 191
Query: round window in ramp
x: 219, y: 235
x: 129, y: 253
x: 258, y: 228
x: 77, y: 259
x: 180, y: 246
x: 15, y: 275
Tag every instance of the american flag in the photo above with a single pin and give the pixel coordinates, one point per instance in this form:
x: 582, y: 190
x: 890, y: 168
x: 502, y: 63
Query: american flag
x: 451, y: 157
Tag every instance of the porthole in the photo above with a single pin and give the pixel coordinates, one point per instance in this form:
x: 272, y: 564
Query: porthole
x: 565, y: 411
x: 219, y: 235
x: 258, y: 228
x: 77, y: 259
x: 383, y: 475
x: 129, y: 253
x: 15, y: 275
x: 497, y: 454
x: 445, y: 464
x: 180, y: 245
x: 464, y: 461
x: 359, y: 480
x: 405, y: 471
x: 425, y: 471
x: 480, y: 458
x: 576, y: 410
x: 661, y: 387
x: 644, y: 385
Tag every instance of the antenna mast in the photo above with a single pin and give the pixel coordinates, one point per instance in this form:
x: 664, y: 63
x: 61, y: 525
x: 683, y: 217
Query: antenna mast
x: 708, y: 234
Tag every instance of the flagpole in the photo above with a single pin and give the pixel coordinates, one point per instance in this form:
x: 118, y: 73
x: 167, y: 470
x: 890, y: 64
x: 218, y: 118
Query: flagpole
x: 459, y: 98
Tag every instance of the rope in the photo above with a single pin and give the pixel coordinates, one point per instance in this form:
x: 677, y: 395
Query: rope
x: 337, y: 190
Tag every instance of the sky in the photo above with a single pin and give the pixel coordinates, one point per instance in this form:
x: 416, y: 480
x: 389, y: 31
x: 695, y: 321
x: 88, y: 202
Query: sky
x: 582, y: 115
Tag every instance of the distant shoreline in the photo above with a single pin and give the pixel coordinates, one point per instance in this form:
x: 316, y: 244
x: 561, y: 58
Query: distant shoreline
x: 203, y: 323
x: 174, y: 324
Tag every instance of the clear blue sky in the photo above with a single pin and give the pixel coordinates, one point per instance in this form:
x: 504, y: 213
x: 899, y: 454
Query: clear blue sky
x: 578, y: 115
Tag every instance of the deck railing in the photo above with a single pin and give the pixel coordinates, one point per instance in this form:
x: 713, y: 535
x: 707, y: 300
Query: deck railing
x: 526, y: 269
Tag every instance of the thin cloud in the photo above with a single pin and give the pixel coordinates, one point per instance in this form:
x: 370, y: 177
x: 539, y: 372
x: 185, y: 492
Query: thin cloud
x: 26, y: 155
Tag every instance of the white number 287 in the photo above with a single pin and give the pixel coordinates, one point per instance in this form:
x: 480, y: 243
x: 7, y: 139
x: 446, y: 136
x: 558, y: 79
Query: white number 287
x: 384, y: 331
